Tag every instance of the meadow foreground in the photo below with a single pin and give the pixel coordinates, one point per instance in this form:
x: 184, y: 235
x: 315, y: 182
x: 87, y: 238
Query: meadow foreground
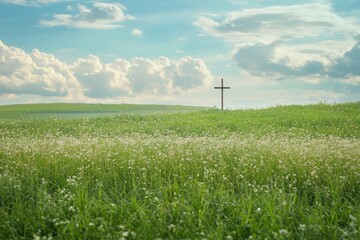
x: 279, y: 173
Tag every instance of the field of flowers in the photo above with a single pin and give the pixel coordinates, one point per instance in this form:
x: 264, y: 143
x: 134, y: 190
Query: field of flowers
x: 290, y: 172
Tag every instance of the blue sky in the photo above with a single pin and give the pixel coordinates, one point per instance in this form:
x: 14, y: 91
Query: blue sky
x: 175, y: 52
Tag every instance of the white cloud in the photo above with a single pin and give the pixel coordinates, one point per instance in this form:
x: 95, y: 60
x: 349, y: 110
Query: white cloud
x: 140, y: 76
x: 352, y: 80
x: 42, y: 74
x: 137, y: 32
x: 17, y: 2
x: 188, y: 73
x: 99, y: 16
x: 35, y: 73
x: 8, y: 96
x: 271, y: 24
x: 32, y: 3
x: 304, y: 40
x: 282, y: 61
x: 90, y: 65
x: 102, y: 80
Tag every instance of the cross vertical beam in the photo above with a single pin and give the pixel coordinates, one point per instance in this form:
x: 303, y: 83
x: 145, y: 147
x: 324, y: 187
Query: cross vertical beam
x: 222, y: 93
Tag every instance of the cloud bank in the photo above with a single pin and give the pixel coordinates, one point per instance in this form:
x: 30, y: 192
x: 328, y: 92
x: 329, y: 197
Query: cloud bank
x: 140, y: 76
x: 44, y: 75
x: 99, y: 16
x: 304, y: 41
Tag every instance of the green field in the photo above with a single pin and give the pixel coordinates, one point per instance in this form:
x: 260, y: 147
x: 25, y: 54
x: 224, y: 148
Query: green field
x: 74, y: 171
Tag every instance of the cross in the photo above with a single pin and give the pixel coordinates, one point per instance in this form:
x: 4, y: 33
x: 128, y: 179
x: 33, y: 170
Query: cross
x: 222, y: 93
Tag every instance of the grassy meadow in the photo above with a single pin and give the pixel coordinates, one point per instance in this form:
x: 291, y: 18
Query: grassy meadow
x: 74, y: 171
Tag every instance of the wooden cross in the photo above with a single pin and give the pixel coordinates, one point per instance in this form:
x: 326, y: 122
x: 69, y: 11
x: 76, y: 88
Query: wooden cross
x: 222, y: 93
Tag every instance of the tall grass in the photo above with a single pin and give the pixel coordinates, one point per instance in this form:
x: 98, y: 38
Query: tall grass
x: 279, y: 173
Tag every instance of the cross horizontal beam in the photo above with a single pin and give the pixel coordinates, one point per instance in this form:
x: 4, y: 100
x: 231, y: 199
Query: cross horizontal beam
x: 222, y: 87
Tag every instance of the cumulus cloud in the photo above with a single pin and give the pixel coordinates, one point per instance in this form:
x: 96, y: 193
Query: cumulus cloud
x: 42, y: 74
x: 35, y: 73
x: 274, y: 58
x: 165, y: 76
x: 188, y: 73
x: 140, y: 76
x: 282, y: 62
x: 99, y: 16
x: 303, y: 40
x: 148, y: 76
x: 137, y: 32
x: 102, y: 80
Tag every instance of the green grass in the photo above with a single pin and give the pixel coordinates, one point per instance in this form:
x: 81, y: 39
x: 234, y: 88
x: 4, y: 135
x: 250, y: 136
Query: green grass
x: 171, y: 172
x: 65, y: 110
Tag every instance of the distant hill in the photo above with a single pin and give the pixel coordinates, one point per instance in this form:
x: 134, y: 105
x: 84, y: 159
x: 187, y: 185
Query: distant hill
x: 76, y: 110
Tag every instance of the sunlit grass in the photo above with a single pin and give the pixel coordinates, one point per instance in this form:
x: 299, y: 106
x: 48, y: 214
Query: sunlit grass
x: 279, y: 173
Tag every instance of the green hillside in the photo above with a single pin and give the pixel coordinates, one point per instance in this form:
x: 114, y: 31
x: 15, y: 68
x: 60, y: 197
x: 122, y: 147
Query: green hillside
x: 112, y: 120
x: 73, y: 110
x: 74, y: 171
